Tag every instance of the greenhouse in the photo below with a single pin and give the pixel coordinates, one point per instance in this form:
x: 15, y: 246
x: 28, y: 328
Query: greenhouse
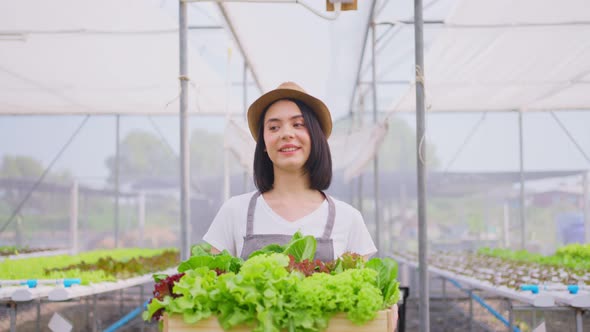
x: 458, y: 146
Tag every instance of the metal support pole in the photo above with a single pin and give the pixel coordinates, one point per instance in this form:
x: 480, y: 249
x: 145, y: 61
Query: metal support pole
x: 38, y: 322
x: 506, y: 226
x: 141, y: 295
x: 94, y: 312
x: 184, y: 143
x: 117, y: 162
x: 360, y: 193
x: 424, y: 308
x: 245, y: 98
x: 510, y: 316
x: 444, y: 290
x: 376, y: 157
x: 579, y: 325
x: 141, y: 217
x: 586, y: 207
x: 522, y: 197
x: 74, y: 217
x: 121, y: 295
x: 12, y: 308
x: 87, y: 312
x: 360, y: 177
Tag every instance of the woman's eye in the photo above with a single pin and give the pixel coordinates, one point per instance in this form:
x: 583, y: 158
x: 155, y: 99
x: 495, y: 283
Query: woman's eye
x: 299, y: 125
x: 273, y: 128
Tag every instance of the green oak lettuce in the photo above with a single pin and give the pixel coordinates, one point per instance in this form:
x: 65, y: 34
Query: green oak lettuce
x: 279, y: 288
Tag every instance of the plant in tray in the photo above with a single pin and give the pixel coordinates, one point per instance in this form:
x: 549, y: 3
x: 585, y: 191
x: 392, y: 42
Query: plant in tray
x: 278, y: 288
x: 92, y: 267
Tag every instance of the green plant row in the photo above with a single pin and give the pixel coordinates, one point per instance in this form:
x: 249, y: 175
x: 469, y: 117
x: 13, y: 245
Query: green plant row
x: 91, y: 267
x: 573, y: 256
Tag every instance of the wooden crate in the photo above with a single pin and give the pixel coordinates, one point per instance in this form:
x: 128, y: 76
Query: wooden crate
x: 338, y: 323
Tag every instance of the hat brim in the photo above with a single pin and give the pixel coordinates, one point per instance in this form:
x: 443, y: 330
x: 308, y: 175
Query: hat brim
x: 317, y: 106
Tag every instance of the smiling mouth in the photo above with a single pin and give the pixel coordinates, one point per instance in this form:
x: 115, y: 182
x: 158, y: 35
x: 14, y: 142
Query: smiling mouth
x: 288, y: 149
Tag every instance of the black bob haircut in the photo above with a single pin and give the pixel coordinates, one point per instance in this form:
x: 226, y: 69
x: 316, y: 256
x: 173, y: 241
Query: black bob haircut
x: 318, y: 165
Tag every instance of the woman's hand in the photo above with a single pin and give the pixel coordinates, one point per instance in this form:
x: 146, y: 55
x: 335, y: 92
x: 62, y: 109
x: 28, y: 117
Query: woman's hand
x: 393, y: 318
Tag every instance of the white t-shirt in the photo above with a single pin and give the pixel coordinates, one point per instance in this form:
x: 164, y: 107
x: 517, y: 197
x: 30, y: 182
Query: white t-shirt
x: 228, y: 229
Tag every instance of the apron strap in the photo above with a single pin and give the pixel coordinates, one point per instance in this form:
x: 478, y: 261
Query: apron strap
x: 250, y: 218
x: 331, y: 218
x: 329, y: 223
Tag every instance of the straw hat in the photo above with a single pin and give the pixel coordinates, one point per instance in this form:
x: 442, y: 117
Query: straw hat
x: 288, y: 90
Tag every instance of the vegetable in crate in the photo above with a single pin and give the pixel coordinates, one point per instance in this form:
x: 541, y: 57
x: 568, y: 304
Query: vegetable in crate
x: 278, y: 288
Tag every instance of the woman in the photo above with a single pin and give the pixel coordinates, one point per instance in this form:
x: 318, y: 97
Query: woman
x: 292, y: 167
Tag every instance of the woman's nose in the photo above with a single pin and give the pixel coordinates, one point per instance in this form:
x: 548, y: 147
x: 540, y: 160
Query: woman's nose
x: 286, y: 133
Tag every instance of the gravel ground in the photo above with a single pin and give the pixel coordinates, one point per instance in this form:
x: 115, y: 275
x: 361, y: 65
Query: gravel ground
x: 445, y: 316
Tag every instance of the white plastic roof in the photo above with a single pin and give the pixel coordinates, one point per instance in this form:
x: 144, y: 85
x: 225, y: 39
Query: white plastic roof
x: 287, y: 42
x: 80, y: 56
x: 87, y: 57
x: 505, y: 55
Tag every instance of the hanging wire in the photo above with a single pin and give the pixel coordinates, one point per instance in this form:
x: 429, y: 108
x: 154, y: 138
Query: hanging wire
x: 195, y: 88
x: 422, y: 144
x: 570, y: 136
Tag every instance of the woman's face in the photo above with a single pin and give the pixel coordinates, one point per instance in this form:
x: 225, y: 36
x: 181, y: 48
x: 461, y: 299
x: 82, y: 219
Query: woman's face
x: 286, y: 137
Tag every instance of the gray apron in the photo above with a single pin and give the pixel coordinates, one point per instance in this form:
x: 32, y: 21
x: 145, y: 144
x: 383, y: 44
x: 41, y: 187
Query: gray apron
x: 253, y: 242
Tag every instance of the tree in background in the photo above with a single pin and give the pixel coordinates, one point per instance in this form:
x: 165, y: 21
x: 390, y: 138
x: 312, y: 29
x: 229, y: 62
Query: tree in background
x: 27, y: 171
x: 25, y: 167
x: 398, y: 150
x: 142, y: 155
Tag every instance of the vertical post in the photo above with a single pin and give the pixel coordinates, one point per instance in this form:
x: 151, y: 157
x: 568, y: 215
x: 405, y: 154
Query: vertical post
x: 585, y: 207
x: 360, y: 177
x: 579, y: 325
x: 117, y: 162
x: 74, y: 217
x: 510, y: 316
x: 87, y: 312
x: 141, y: 217
x: 522, y: 194
x: 424, y: 308
x: 245, y: 98
x: 226, y: 152
x: 506, y: 227
x: 405, y: 275
x: 184, y: 143
x: 94, y: 320
x: 121, y: 296
x: 376, y: 157
x: 18, y: 227
x: 12, y: 308
x: 38, y: 322
x: 226, y: 173
x: 141, y: 295
x: 360, y: 192
x: 444, y: 291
